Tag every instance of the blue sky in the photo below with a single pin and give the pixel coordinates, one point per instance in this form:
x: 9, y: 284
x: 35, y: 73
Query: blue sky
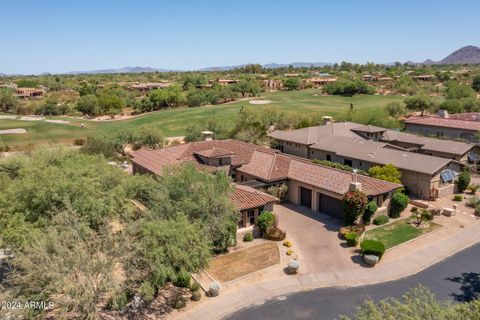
x: 59, y: 36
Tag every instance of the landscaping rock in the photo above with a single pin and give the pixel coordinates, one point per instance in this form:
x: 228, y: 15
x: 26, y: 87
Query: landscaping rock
x: 370, y: 259
x: 293, y: 266
x: 214, y: 289
x: 449, y: 212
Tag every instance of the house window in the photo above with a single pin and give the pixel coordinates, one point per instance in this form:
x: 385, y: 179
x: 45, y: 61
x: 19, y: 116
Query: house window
x: 447, y: 176
x: 251, y: 217
x: 329, y: 157
x: 348, y: 162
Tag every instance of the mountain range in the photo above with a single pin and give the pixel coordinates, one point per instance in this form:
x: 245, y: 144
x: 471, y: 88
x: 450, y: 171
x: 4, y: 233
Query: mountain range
x: 466, y: 55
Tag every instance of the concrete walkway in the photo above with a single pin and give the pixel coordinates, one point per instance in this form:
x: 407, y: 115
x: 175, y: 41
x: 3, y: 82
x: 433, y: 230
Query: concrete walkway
x: 416, y: 261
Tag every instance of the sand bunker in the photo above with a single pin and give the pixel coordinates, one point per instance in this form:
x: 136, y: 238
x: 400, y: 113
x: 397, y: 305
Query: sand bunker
x: 260, y: 101
x: 58, y: 121
x: 31, y: 118
x: 7, y: 117
x: 13, y: 131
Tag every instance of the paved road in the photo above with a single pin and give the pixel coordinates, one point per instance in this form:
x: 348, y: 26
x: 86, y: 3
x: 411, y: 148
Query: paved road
x: 456, y: 278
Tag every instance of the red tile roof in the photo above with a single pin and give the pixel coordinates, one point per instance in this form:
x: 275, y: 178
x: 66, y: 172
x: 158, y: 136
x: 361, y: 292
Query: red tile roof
x: 264, y: 164
x: 445, y: 122
x: 244, y: 198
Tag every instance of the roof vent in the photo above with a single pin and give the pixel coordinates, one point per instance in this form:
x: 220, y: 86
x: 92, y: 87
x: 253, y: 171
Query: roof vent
x: 354, y: 186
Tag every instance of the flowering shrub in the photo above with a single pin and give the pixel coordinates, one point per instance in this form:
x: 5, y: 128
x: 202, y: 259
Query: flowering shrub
x: 353, y: 206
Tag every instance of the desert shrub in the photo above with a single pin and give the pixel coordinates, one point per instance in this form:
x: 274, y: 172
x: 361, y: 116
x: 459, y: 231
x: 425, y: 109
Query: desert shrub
x: 196, y: 296
x: 473, y: 188
x: 463, y: 180
x: 398, y: 203
x: 147, y: 291
x: 352, y: 239
x: 457, y: 197
x: 183, y: 279
x: 79, y: 142
x: 370, y: 210
x: 287, y: 243
x: 179, y: 303
x: 374, y: 247
x: 381, y: 219
x: 117, y: 301
x: 477, y: 210
x: 289, y: 252
x: 344, y: 230
x: 195, y: 286
x: 266, y: 220
x: 280, y: 192
x: 473, y: 201
x: 353, y: 206
x: 426, y: 215
x: 275, y: 234
x: 248, y: 237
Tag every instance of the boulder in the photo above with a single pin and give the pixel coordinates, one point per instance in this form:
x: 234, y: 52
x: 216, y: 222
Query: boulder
x: 214, y: 289
x: 370, y: 259
x: 448, y: 212
x: 293, y: 266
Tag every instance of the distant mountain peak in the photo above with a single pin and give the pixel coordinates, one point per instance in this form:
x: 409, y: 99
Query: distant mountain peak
x: 468, y: 54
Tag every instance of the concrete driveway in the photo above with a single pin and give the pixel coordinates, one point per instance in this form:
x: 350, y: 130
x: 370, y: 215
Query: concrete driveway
x: 315, y: 239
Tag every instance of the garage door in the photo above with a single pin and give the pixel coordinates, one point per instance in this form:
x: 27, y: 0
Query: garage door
x: 306, y: 197
x: 330, y: 206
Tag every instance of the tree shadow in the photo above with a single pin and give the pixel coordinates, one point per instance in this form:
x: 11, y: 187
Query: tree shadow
x: 470, y: 286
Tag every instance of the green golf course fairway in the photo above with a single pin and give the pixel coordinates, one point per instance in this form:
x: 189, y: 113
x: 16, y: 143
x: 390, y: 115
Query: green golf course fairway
x: 173, y: 122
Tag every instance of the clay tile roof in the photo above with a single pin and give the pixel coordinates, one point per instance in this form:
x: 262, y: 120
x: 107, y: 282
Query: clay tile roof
x: 336, y: 181
x: 267, y: 167
x: 244, y: 198
x: 214, y: 153
x: 445, y: 122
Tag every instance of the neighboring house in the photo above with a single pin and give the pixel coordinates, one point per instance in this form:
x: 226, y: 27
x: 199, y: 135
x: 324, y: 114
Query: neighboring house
x: 25, y: 93
x: 145, y: 87
x: 272, y: 84
x: 317, y: 187
x: 359, y: 146
x: 445, y: 126
x: 223, y: 82
x: 424, y: 77
x: 320, y: 81
x: 464, y: 152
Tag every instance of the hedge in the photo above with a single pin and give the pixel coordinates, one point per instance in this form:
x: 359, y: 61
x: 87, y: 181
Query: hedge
x: 374, y: 247
x: 381, y: 219
x: 352, y: 239
x: 398, y: 203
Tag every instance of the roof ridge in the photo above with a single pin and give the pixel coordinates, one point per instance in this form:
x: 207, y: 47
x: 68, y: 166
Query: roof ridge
x: 273, y: 165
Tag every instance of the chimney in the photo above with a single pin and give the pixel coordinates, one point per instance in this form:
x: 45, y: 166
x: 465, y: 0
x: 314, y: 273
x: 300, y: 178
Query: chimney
x: 353, y: 186
x: 207, y: 135
x: 327, y: 119
x: 443, y: 113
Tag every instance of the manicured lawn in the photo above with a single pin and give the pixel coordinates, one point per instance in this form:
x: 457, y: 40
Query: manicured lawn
x: 240, y: 263
x: 398, y: 232
x: 173, y: 122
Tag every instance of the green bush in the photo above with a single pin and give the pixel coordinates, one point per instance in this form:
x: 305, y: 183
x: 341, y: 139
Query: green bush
x: 275, y: 234
x: 180, y: 303
x: 381, y: 219
x: 370, y: 210
x: 147, y: 291
x: 398, y: 203
x: 473, y: 201
x: 158, y: 277
x: 183, y: 279
x: 463, y: 180
x: 352, y: 239
x: 195, y: 286
x: 457, y: 197
x: 426, y: 215
x: 353, y: 206
x: 117, y: 301
x: 196, y: 295
x: 266, y: 220
x: 248, y: 237
x: 374, y: 247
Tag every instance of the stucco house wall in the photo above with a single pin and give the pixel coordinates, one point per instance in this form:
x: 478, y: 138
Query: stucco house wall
x: 435, y: 131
